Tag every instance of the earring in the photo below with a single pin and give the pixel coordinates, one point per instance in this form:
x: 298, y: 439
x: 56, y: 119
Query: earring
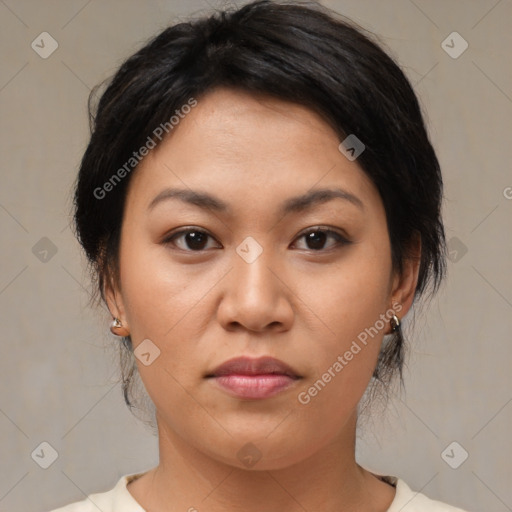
x: 116, y: 324
x: 395, y: 323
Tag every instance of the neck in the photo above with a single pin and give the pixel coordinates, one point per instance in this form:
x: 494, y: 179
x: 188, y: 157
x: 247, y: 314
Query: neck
x: 329, y: 480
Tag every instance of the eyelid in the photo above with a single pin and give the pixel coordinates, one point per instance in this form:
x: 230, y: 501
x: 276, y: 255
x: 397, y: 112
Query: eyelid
x: 326, y: 229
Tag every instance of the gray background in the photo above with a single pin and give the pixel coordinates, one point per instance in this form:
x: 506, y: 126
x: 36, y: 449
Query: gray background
x: 58, y: 367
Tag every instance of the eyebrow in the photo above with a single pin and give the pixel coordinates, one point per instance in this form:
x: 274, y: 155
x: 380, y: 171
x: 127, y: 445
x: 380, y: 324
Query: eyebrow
x: 293, y: 204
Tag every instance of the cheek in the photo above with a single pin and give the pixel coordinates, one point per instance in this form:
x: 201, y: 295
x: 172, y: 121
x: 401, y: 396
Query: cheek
x: 349, y: 301
x: 349, y: 296
x: 157, y: 293
x: 163, y: 304
x: 167, y: 303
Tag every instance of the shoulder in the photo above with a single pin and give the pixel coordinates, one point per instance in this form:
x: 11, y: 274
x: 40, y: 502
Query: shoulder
x: 117, y: 499
x: 407, y: 500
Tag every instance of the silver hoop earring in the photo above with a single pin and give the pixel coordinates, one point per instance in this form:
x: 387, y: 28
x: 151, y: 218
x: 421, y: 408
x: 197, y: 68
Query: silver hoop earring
x: 395, y: 323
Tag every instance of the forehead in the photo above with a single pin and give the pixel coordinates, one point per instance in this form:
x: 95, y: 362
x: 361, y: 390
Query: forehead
x: 243, y: 145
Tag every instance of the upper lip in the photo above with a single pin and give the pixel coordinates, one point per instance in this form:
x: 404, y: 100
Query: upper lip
x: 251, y: 366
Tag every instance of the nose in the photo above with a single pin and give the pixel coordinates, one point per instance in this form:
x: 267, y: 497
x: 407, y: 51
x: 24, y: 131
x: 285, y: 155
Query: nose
x: 256, y: 296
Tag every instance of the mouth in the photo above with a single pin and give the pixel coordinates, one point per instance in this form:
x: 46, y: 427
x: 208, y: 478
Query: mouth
x: 249, y: 378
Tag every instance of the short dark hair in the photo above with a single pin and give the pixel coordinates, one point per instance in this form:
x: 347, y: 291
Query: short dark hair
x: 297, y: 52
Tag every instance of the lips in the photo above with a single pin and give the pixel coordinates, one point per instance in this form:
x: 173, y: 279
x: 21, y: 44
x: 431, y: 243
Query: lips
x: 247, y: 378
x: 250, y: 366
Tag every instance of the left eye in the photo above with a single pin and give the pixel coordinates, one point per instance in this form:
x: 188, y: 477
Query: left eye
x: 317, y: 237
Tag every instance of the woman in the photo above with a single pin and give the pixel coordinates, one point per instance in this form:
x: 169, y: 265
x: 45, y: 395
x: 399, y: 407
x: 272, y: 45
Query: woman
x: 260, y: 205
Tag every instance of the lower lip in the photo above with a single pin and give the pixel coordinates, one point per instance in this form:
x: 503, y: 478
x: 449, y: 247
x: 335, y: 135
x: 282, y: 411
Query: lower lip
x: 254, y: 386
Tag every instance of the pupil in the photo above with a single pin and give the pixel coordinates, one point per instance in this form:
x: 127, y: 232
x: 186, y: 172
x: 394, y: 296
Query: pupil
x: 195, y: 240
x: 316, y: 239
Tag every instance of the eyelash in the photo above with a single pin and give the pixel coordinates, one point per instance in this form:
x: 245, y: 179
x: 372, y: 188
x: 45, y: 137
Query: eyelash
x: 340, y: 239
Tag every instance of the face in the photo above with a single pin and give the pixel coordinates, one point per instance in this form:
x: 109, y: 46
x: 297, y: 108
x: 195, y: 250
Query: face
x: 257, y: 263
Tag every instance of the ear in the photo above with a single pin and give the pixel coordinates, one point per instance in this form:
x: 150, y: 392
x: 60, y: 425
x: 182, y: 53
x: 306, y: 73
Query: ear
x: 404, y: 286
x: 115, y: 305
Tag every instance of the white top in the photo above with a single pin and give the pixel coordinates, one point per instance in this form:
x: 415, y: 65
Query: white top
x: 119, y: 499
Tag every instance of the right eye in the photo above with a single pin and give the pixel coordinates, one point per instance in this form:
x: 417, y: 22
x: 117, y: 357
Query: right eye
x: 190, y: 240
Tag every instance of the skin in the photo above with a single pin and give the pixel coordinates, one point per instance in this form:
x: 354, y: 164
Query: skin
x: 297, y: 302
